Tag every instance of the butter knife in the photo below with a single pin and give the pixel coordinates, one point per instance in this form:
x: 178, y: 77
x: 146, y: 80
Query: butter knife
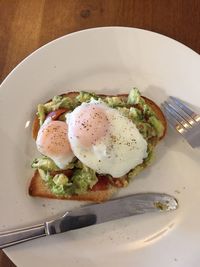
x: 92, y: 214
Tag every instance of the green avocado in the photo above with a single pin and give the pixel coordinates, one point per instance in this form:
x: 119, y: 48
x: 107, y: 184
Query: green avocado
x: 45, y: 164
x: 124, y: 111
x: 56, y: 103
x: 135, y: 114
x: 41, y: 114
x: 60, y: 179
x: 60, y: 185
x: 85, y: 97
x: 84, y: 179
x: 48, y: 164
x: 114, y: 101
x: 146, y: 129
x: 63, y: 190
x: 134, y: 97
x: 158, y: 126
x: 45, y: 175
x: 60, y: 102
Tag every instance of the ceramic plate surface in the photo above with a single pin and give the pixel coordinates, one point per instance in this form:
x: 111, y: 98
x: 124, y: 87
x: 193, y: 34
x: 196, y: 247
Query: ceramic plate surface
x: 107, y: 60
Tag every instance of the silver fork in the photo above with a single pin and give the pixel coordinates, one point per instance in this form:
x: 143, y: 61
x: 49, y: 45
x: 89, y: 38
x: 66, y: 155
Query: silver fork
x: 183, y: 119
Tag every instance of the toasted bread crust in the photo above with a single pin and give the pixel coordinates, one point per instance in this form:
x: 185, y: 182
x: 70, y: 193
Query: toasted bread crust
x: 39, y: 188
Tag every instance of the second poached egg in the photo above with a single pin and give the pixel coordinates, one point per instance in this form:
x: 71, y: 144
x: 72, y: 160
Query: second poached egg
x: 105, y: 140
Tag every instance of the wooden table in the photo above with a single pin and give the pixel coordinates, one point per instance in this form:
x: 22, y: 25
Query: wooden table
x: 26, y: 25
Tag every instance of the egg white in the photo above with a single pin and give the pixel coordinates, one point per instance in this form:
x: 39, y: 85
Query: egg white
x: 62, y: 161
x: 121, y: 150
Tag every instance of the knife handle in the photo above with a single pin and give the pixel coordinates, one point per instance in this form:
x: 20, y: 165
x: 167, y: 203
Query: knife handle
x: 14, y: 237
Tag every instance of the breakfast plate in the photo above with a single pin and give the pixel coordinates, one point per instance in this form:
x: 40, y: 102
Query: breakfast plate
x: 104, y: 60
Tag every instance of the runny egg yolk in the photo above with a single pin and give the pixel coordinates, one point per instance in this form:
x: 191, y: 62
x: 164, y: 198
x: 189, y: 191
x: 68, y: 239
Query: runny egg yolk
x: 90, y: 125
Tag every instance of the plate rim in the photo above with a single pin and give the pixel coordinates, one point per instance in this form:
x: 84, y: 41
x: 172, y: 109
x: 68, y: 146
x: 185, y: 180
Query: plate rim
x: 87, y: 30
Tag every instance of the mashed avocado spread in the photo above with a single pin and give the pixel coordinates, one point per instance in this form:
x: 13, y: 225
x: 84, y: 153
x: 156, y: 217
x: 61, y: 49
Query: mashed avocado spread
x: 82, y: 178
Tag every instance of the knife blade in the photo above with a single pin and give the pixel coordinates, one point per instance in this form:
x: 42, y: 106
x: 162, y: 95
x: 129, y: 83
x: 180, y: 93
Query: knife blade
x: 93, y: 214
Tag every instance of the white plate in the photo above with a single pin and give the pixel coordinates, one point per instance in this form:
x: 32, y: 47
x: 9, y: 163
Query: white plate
x: 109, y: 59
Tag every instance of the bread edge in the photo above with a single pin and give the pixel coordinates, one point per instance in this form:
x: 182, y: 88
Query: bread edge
x: 38, y: 188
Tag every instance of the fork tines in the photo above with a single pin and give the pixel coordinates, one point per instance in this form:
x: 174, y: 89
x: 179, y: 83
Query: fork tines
x: 183, y: 119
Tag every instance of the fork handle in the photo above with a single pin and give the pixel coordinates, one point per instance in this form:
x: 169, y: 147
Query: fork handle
x: 10, y: 238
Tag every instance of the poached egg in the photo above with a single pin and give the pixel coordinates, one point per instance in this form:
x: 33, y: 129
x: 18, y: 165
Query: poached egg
x: 52, y: 142
x: 105, y: 140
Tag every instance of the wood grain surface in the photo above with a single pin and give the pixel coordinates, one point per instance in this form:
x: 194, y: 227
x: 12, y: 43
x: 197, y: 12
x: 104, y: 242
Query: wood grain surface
x: 25, y: 25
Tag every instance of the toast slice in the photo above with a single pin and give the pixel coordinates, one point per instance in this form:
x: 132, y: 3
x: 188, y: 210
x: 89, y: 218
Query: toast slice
x: 38, y: 188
